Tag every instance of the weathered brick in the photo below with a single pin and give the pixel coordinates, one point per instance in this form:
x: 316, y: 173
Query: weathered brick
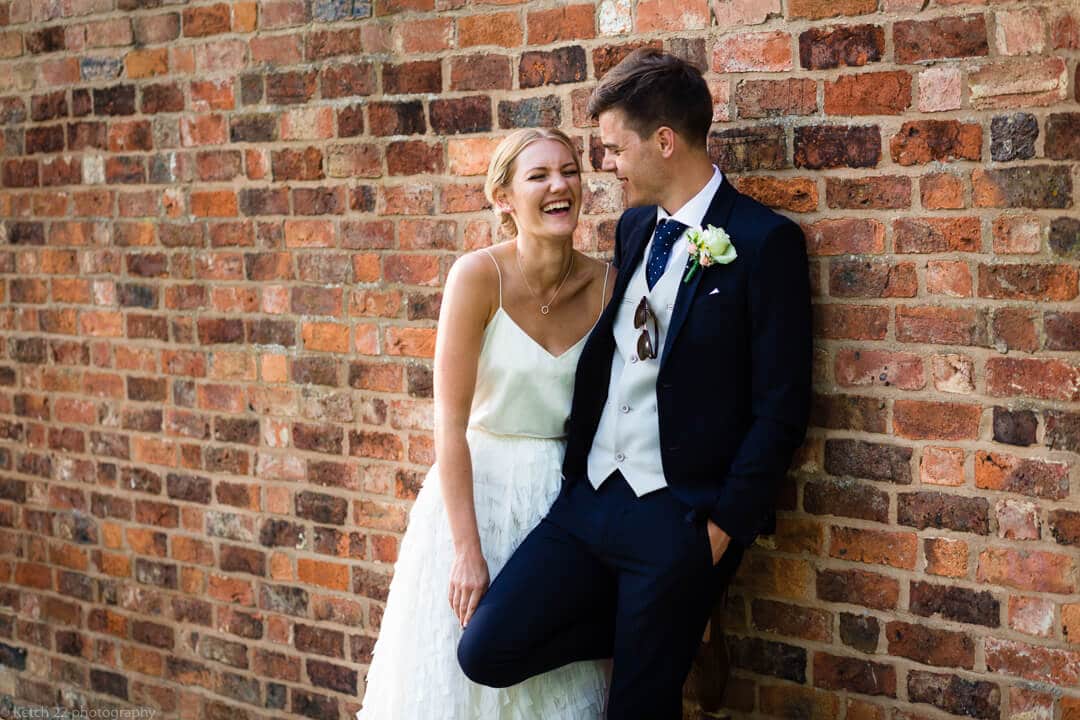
x: 882, y: 93
x: 563, y: 65
x: 858, y: 587
x: 947, y: 37
x: 421, y: 76
x: 923, y: 141
x: 1015, y: 427
x: 1028, y: 282
x: 930, y: 646
x: 769, y: 658
x: 850, y: 46
x: 754, y: 148
x: 770, y: 98
x: 1047, y: 379
x: 956, y: 695
x: 1062, y: 430
x: 544, y: 111
x: 1063, y: 136
x: 461, y: 115
x: 941, y: 325
x: 941, y: 510
x: 828, y: 146
x: 859, y: 631
x: 1031, y: 186
x: 1027, y: 476
x: 834, y: 672
x: 1012, y: 137
x: 480, y: 72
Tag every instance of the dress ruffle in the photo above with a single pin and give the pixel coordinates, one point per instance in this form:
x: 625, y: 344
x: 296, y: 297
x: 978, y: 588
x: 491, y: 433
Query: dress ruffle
x: 414, y: 673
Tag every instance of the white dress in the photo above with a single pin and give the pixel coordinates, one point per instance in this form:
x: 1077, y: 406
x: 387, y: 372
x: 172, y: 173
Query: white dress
x: 515, y: 436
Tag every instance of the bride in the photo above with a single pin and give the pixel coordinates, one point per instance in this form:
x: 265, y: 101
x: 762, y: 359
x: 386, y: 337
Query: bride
x: 514, y: 319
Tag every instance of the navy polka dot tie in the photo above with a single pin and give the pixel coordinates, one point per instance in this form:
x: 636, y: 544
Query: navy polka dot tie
x: 666, y: 233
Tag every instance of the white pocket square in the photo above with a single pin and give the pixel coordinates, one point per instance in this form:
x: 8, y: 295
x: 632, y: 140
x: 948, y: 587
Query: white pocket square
x: 715, y: 291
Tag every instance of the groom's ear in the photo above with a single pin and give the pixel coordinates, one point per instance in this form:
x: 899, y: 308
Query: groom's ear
x: 665, y: 139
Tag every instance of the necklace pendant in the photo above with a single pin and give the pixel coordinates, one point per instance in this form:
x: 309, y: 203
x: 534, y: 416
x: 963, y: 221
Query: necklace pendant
x: 544, y: 309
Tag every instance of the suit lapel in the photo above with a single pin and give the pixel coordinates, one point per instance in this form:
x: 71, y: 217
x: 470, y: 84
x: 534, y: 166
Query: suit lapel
x: 717, y: 215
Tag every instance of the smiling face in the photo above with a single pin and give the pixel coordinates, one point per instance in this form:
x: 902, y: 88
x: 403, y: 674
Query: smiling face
x: 544, y: 192
x: 636, y: 161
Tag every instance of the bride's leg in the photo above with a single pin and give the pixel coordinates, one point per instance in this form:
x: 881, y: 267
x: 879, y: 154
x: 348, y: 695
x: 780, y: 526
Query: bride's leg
x: 550, y: 605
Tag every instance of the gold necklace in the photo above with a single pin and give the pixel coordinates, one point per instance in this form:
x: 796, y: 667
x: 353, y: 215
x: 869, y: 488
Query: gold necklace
x: 546, y: 307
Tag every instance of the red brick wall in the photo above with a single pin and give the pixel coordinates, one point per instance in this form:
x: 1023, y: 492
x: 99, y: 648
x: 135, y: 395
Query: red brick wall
x: 224, y: 230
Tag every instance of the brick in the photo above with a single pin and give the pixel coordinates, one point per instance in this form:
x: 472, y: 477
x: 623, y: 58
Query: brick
x: 319, y: 641
x: 501, y: 29
x: 1014, y: 328
x: 1065, y: 237
x: 572, y: 22
x: 461, y: 115
x: 940, y: 510
x: 1063, y: 136
x: 769, y: 658
x: 1026, y: 476
x: 858, y: 587
x: 790, y: 701
x: 854, y: 278
x: 851, y: 322
x: 114, y: 100
x: 1028, y: 282
x: 947, y: 277
x: 771, y: 98
x: 1018, y: 83
x: 934, y: 420
x: 563, y: 65
x: 868, y: 367
x: 845, y: 46
x: 868, y: 193
x: 1065, y: 526
x: 745, y: 149
x: 848, y: 412
x: 953, y: 373
x: 942, y: 191
x: 833, y: 672
x: 1041, y: 664
x: 923, y: 141
x: 791, y: 194
x: 1062, y: 430
x: 1019, y: 32
x: 828, y: 146
x: 792, y: 620
x: 846, y: 498
x: 422, y: 76
x: 413, y: 157
x: 859, y: 631
x: 940, y: 325
x: 930, y: 646
x: 543, y: 111
x: 352, y: 80
x: 882, y: 93
x: 753, y: 52
x: 873, y: 546
x: 1017, y: 234
x: 1017, y: 520
x: 325, y: 44
x: 1062, y: 330
x: 945, y: 557
x: 1031, y: 570
x: 947, y: 37
x: 953, y: 694
x: 155, y: 29
x: 207, y: 20
x: 480, y: 72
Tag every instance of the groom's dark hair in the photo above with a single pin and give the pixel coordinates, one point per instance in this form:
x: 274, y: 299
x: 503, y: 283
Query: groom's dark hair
x: 654, y: 88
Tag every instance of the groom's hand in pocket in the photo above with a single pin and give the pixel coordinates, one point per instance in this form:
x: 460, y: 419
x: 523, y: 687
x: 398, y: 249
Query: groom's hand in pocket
x: 468, y: 582
x: 718, y: 540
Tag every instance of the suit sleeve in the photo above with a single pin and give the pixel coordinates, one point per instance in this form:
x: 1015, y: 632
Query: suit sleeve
x: 616, y: 257
x: 780, y: 382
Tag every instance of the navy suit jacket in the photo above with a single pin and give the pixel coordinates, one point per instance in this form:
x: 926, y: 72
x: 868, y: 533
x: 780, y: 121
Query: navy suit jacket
x: 733, y: 390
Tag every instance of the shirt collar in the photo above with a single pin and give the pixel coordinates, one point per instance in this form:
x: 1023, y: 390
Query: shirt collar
x: 693, y: 212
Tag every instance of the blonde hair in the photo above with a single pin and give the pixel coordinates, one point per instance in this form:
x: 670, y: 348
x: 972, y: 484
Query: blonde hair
x: 501, y: 168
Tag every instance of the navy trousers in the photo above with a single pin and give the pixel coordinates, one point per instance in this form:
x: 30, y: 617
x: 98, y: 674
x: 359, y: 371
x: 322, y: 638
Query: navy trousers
x: 605, y: 574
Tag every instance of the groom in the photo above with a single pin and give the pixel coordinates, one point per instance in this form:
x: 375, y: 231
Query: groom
x: 691, y: 396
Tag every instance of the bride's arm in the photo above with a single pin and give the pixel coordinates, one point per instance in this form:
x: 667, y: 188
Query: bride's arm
x: 467, y: 306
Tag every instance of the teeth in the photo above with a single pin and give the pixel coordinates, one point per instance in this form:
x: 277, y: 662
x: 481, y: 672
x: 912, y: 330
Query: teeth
x: 560, y: 205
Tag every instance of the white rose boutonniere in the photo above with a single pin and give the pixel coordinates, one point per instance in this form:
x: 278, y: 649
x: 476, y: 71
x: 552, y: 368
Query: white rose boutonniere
x: 711, y: 246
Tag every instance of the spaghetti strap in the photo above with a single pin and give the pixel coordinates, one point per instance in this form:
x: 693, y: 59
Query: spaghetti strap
x: 488, y: 253
x: 603, y: 292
